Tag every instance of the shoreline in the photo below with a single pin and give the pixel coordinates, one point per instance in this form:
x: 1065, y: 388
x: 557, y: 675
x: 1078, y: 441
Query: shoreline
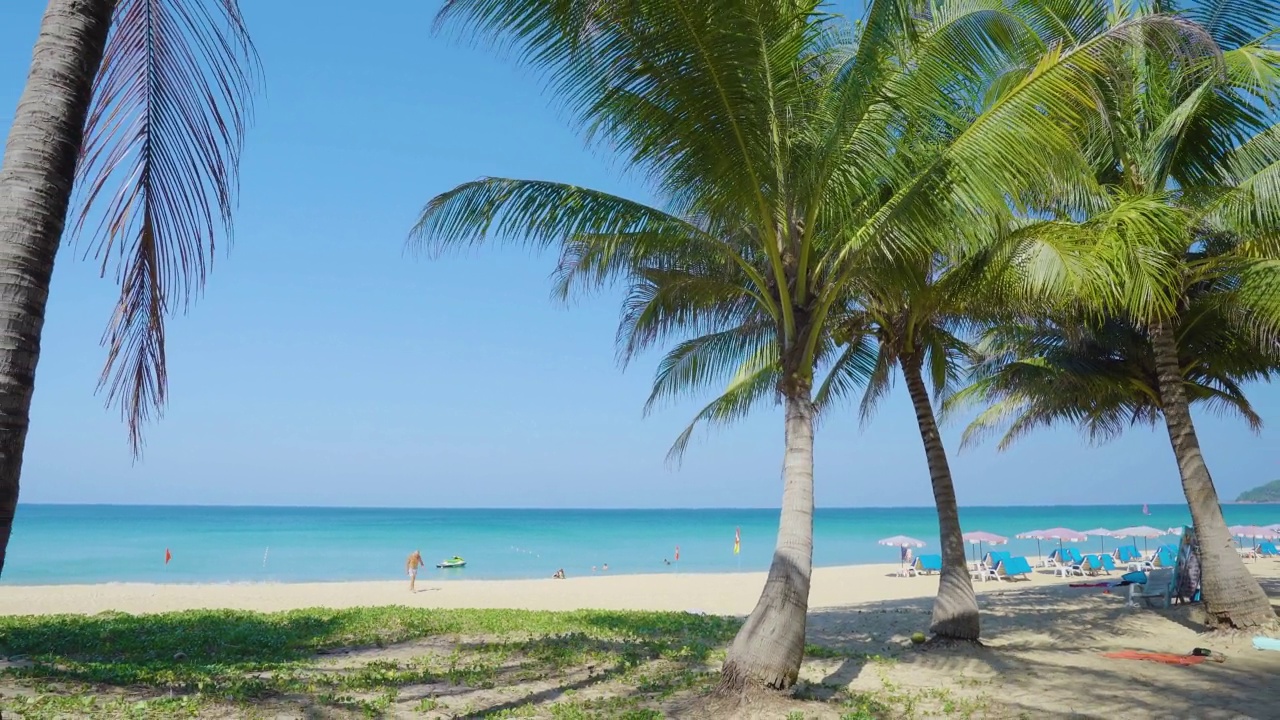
x: 714, y: 593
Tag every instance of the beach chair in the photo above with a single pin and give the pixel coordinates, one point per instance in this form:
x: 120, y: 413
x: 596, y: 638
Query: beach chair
x: 1089, y: 565
x: 1127, y: 554
x: 928, y: 564
x: 1106, y: 564
x: 1058, y: 558
x: 1268, y: 549
x: 993, y: 558
x: 1013, y: 568
x: 1076, y: 557
x: 1164, y: 558
x: 1158, y: 585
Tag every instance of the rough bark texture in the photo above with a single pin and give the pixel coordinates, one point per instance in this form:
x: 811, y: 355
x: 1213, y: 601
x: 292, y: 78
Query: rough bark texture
x: 1232, y: 596
x: 35, y: 189
x: 767, y: 651
x: 955, y: 609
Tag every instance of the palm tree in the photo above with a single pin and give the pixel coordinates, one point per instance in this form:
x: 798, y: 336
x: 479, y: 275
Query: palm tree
x: 141, y: 105
x: 1187, y: 155
x: 911, y: 316
x: 769, y: 131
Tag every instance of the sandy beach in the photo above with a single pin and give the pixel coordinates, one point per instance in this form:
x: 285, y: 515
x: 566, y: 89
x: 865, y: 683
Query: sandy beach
x: 1043, y: 655
x: 719, y: 593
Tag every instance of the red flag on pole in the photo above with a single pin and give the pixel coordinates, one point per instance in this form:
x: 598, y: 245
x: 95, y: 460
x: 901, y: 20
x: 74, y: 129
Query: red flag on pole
x: 677, y: 553
x: 167, y: 556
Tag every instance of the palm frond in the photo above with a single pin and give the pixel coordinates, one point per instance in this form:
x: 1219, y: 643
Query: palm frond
x: 159, y: 165
x: 751, y: 386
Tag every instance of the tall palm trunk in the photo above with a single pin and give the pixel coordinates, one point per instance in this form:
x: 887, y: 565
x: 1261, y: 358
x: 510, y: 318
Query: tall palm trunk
x: 769, y: 648
x: 35, y: 190
x: 955, y: 609
x: 1232, y: 595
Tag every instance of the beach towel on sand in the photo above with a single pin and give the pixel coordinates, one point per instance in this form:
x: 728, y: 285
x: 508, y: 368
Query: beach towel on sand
x: 1165, y: 658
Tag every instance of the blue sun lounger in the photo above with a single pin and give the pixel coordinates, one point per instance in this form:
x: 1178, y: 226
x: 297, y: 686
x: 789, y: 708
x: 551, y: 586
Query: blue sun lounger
x: 1013, y: 567
x: 1268, y: 549
x: 1106, y: 564
x: 928, y: 564
x: 993, y: 558
x: 1128, y: 554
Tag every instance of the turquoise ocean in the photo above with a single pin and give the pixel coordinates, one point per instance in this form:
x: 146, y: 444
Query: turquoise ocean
x: 118, y: 543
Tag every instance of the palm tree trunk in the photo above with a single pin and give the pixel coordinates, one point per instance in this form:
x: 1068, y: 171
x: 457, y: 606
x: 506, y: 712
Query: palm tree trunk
x: 35, y: 190
x: 1232, y: 595
x: 955, y: 609
x: 768, y: 649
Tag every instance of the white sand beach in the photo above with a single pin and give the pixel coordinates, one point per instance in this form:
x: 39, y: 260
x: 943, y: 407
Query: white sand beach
x: 1043, y: 654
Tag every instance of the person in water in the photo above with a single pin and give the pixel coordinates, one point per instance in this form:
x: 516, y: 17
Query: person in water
x: 559, y: 574
x: 411, y: 565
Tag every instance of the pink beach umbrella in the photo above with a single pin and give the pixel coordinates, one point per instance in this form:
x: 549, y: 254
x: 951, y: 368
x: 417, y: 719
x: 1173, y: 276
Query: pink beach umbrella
x: 1140, y: 531
x: 904, y: 542
x: 1253, y: 532
x: 1102, y: 534
x: 980, y: 537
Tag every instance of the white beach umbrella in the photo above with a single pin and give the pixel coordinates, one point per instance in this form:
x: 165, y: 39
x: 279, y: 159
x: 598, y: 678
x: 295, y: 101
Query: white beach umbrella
x: 1140, y: 531
x: 1101, y: 533
x: 901, y: 541
x: 1060, y: 534
x: 1036, y: 535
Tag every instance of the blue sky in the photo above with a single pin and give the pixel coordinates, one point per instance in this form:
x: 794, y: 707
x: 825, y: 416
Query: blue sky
x: 324, y: 367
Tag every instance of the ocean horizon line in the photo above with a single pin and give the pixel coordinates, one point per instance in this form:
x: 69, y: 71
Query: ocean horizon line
x: 492, y: 508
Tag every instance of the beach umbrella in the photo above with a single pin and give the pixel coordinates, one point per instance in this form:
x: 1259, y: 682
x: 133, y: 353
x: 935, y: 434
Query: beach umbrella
x: 1253, y: 532
x: 1060, y: 534
x: 1140, y: 531
x: 903, y: 542
x: 1174, y: 531
x: 1036, y: 535
x: 1256, y: 532
x: 980, y: 537
x: 1100, y: 533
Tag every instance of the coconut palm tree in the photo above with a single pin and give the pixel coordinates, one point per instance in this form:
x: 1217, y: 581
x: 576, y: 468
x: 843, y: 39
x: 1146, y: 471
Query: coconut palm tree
x: 911, y: 317
x: 141, y: 106
x: 1187, y: 151
x: 769, y: 131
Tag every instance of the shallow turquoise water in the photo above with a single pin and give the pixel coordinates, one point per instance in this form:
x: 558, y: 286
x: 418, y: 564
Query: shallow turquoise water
x: 106, y: 543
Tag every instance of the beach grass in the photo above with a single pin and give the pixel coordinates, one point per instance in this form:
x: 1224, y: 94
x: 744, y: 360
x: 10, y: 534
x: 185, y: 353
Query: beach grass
x: 390, y: 661
x: 187, y: 664
x: 375, y: 662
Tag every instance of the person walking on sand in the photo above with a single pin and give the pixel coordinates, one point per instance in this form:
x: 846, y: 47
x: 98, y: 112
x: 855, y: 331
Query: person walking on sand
x: 411, y: 565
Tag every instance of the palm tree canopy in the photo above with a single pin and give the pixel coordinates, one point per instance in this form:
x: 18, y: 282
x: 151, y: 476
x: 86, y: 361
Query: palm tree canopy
x: 1186, y: 150
x: 158, y: 173
x: 785, y: 147
x: 1101, y: 376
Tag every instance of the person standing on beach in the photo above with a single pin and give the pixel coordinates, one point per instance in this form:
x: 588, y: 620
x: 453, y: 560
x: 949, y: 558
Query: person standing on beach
x: 411, y: 566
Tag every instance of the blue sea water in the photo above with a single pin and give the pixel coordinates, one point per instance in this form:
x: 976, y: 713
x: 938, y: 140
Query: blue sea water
x: 117, y: 543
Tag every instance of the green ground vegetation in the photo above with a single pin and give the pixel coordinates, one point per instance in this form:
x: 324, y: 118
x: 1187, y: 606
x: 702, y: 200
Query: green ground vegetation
x: 391, y: 661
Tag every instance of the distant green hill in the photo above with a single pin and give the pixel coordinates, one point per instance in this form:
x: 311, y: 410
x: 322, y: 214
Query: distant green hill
x: 1269, y: 493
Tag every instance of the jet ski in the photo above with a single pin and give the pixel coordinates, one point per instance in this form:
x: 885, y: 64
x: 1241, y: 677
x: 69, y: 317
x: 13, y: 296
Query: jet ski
x: 453, y: 562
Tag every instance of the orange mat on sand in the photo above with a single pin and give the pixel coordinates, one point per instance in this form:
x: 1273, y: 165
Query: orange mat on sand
x: 1166, y: 658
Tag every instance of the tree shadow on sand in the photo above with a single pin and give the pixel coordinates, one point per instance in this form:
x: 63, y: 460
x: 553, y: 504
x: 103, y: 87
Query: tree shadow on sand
x: 1043, y: 657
